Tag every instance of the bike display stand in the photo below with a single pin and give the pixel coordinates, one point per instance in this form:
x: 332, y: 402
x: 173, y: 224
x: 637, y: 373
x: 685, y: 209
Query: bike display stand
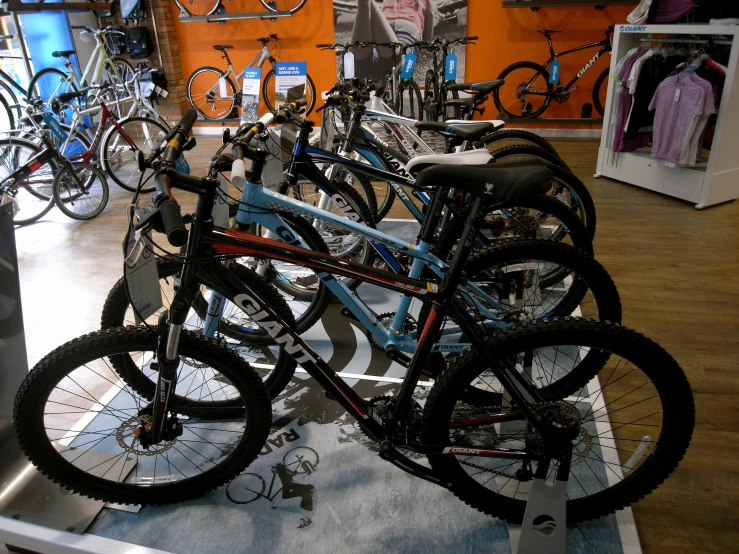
x: 544, y: 527
x: 223, y: 17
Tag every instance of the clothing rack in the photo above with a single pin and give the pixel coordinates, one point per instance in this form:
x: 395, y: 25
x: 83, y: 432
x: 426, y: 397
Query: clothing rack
x: 685, y: 41
x: 710, y: 183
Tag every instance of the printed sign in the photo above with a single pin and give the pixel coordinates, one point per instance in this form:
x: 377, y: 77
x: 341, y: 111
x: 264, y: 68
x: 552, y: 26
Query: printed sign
x: 55, y: 127
x: 220, y: 206
x: 250, y: 94
x: 451, y: 67
x: 287, y: 76
x: 554, y: 73
x: 409, y: 66
x: 349, y: 65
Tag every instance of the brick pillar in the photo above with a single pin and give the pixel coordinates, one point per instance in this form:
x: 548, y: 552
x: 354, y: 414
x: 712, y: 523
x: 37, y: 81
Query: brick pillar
x: 160, y: 11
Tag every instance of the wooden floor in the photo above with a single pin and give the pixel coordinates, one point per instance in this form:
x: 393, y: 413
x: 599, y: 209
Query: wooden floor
x: 676, y: 269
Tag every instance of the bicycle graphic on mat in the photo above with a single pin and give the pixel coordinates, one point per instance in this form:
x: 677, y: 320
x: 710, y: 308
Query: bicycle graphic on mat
x: 301, y: 460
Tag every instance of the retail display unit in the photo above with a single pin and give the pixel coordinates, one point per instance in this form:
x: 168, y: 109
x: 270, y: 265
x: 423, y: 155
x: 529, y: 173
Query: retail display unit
x: 705, y: 184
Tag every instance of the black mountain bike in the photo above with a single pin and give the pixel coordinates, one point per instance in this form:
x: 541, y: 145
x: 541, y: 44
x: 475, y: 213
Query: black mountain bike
x: 527, y: 92
x: 435, y: 84
x: 520, y: 405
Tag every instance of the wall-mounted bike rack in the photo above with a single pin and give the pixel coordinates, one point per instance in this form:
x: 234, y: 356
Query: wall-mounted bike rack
x: 223, y: 17
x: 536, y: 5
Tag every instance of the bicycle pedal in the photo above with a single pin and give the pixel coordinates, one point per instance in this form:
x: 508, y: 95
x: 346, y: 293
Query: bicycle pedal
x: 573, y: 89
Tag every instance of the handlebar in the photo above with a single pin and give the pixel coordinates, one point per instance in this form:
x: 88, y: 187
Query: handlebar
x: 174, y: 227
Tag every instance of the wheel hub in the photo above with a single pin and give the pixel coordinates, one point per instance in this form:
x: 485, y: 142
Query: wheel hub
x: 129, y: 434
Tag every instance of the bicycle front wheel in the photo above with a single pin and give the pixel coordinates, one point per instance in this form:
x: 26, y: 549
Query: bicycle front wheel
x: 120, y: 148
x: 409, y: 102
x: 33, y: 195
x: 283, y: 5
x: 635, y: 418
x: 81, y: 191
x: 82, y: 426
x: 515, y: 137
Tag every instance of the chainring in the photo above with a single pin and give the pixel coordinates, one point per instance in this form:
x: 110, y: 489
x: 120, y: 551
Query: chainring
x: 386, y: 319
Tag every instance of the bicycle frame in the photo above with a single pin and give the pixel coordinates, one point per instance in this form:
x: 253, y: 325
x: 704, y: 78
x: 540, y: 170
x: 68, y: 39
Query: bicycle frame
x: 605, y: 47
x: 233, y: 243
x: 46, y: 154
x: 106, y: 116
x: 258, y: 61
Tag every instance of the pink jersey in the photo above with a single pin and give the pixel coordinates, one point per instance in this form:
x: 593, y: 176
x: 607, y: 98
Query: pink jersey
x: 413, y: 11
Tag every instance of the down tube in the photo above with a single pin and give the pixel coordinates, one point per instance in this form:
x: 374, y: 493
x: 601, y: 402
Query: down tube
x: 248, y: 300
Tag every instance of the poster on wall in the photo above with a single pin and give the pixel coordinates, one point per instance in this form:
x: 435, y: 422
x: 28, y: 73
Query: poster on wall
x: 404, y: 21
x: 287, y: 76
x: 250, y: 94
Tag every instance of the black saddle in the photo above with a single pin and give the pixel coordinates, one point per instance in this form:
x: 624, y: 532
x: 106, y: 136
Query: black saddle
x: 67, y: 96
x: 465, y: 131
x: 494, y: 182
x: 548, y: 32
x: 484, y: 87
x: 222, y: 47
x: 62, y: 53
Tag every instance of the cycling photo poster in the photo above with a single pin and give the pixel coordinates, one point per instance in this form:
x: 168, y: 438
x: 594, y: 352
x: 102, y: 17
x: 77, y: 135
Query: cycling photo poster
x: 287, y: 76
x: 250, y: 94
x: 403, y: 21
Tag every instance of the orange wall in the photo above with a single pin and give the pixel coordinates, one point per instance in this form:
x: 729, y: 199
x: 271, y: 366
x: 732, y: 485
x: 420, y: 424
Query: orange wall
x: 312, y: 25
x: 506, y: 36
x: 509, y: 35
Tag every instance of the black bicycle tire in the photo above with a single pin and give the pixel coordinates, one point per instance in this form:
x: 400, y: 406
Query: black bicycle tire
x: 456, y: 110
x: 579, y: 234
x: 181, y: 5
x: 602, y: 78
x: 6, y: 107
x: 539, y: 69
x: 517, y: 134
x: 563, y: 177
x: 533, y: 151
x: 363, y: 186
x: 414, y: 92
x: 46, y: 71
x: 309, y: 86
x: 666, y: 376
x: 15, y: 101
x: 61, y: 204
x: 430, y: 90
x: 188, y: 94
x: 597, y: 280
x: 104, y: 161
x: 301, y: 3
x: 33, y: 147
x: 31, y: 433
x: 358, y: 206
x: 117, y: 303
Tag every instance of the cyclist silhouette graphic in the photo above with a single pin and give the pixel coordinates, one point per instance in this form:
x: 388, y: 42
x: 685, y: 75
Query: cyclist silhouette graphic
x: 249, y: 487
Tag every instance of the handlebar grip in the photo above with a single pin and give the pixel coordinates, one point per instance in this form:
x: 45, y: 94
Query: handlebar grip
x: 301, y: 103
x: 179, y: 135
x: 324, y: 45
x: 174, y: 227
x: 471, y: 38
x: 238, y: 171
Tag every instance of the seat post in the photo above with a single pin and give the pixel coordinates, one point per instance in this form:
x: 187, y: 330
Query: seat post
x: 551, y: 45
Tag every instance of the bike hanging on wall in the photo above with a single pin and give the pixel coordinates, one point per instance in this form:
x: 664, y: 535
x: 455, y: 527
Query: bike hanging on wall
x: 530, y: 87
x: 208, y: 7
x: 215, y: 94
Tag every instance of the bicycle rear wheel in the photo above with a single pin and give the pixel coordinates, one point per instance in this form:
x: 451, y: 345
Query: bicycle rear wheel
x: 635, y: 417
x: 34, y: 195
x: 198, y: 7
x: 526, y: 93
x: 273, y: 102
x: 121, y: 146
x: 211, y: 93
x: 82, y: 426
x: 409, y: 102
x: 48, y: 83
x: 81, y: 191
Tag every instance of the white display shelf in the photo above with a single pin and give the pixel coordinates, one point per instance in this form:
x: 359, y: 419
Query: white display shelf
x: 706, y: 184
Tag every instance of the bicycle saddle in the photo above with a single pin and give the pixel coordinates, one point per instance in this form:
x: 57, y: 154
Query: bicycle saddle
x: 67, y: 96
x: 548, y: 32
x: 62, y: 53
x: 495, y: 182
x: 466, y: 131
x: 471, y: 157
x: 222, y: 47
x: 484, y: 87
